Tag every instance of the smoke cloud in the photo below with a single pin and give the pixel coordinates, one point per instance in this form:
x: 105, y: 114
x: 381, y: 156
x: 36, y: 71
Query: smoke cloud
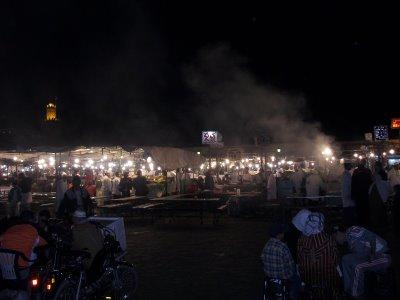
x: 231, y: 100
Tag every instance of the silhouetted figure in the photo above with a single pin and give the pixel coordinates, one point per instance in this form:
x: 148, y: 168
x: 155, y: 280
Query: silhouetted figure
x: 140, y: 184
x: 360, y: 184
x: 125, y: 185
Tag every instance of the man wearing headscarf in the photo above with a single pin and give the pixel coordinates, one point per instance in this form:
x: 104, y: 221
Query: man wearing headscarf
x: 317, y: 253
x: 367, y: 254
x: 360, y: 184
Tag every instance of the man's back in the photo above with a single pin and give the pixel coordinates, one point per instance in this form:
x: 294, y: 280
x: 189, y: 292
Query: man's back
x: 140, y: 186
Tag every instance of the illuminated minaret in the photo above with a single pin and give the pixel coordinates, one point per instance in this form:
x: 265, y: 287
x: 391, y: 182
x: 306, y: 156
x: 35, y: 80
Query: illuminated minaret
x: 51, y: 112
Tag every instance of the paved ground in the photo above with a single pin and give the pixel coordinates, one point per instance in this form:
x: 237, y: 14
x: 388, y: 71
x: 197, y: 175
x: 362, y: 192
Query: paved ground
x: 189, y: 261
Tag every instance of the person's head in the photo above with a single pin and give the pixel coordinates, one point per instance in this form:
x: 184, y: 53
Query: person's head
x: 139, y: 173
x: 277, y: 231
x: 347, y: 166
x: 27, y: 216
x: 21, y: 176
x: 43, y: 217
x: 116, y: 174
x: 300, y: 219
x: 76, y: 182
x: 64, y: 176
x: 14, y: 182
x: 126, y: 174
x: 362, y: 163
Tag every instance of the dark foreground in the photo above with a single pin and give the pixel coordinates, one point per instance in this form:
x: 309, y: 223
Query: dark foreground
x: 190, y: 261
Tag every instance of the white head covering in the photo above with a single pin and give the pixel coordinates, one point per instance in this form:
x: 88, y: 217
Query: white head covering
x: 299, y: 220
x: 314, y: 224
x: 309, y: 223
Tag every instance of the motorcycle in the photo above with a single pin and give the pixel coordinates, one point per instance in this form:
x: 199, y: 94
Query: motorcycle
x: 109, y: 277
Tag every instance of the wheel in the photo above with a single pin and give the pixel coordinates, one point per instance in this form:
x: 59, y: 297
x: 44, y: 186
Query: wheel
x: 124, y: 286
x: 66, y: 291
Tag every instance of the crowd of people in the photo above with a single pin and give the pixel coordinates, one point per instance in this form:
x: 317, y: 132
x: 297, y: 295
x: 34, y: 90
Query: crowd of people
x: 306, y: 257
x: 306, y: 252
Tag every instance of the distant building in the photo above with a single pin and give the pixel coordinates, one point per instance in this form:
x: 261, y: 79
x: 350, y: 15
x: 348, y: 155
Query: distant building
x: 51, y: 112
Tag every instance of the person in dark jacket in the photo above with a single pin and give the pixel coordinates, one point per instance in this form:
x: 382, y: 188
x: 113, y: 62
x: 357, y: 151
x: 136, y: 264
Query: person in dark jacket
x: 14, y: 200
x: 140, y: 184
x: 125, y: 185
x: 209, y: 182
x: 360, y: 184
x: 76, y: 198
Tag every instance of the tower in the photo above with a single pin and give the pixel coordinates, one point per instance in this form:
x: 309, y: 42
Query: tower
x: 51, y: 112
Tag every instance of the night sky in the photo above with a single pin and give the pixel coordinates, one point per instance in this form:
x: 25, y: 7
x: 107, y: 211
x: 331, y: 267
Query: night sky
x: 119, y: 68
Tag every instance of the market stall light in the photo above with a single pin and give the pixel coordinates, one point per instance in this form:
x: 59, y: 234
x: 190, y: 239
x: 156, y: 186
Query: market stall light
x: 90, y: 162
x: 237, y: 168
x: 151, y: 166
x: 355, y: 155
x: 76, y: 160
x: 101, y: 167
x: 283, y: 162
x: 76, y: 166
x: 327, y: 151
x: 15, y: 158
x: 143, y: 167
x: 290, y: 162
x: 371, y: 154
x: 257, y: 166
x: 272, y: 158
x: 278, y: 150
x: 149, y: 159
x: 105, y: 157
x: 391, y: 151
x: 360, y: 157
x: 227, y: 161
x: 247, y: 160
x: 159, y: 168
x: 129, y: 163
x: 201, y: 166
x: 198, y: 153
x: 250, y: 165
x: 384, y: 153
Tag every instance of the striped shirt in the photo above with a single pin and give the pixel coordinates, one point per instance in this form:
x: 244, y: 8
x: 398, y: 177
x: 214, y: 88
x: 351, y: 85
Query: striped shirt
x: 317, y: 258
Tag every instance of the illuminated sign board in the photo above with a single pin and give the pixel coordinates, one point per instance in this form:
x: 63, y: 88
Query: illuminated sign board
x: 381, y: 133
x: 211, y: 137
x: 395, y: 124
